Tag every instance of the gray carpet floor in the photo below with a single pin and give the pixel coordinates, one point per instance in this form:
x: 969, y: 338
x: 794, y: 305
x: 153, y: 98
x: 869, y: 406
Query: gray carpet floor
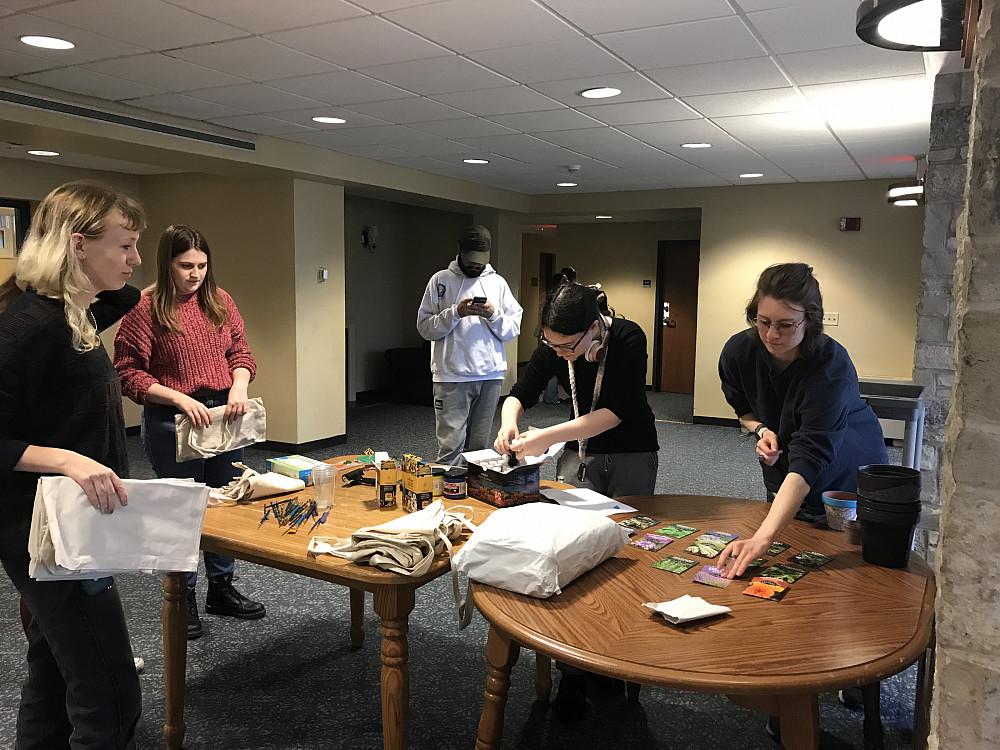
x: 291, y: 681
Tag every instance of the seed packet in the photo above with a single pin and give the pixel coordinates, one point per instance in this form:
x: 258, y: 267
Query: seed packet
x: 810, y: 559
x: 764, y: 587
x: 722, y: 535
x: 674, y: 564
x: 676, y: 530
x: 784, y: 572
x: 777, y: 548
x: 637, y: 522
x: 711, y: 576
x: 652, y: 542
x: 706, y: 546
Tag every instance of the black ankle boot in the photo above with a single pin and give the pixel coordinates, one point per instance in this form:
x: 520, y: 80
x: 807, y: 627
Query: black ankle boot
x: 224, y: 599
x: 194, y: 621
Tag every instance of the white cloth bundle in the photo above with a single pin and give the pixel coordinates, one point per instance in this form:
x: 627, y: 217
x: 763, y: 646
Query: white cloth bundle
x: 220, y: 436
x: 686, y: 609
x: 252, y: 485
x: 405, y: 545
x: 159, y: 530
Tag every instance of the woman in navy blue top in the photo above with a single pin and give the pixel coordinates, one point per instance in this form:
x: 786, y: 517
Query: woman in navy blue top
x: 796, y: 389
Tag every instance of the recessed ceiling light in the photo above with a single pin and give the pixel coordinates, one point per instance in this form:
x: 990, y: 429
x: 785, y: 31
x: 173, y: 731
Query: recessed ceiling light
x: 750, y: 175
x: 330, y: 120
x: 603, y: 216
x: 601, y: 92
x: 47, y: 42
x: 476, y: 161
x: 565, y: 184
x: 39, y: 152
x: 696, y: 145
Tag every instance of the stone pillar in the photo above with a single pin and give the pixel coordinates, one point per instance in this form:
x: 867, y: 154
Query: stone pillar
x: 966, y: 710
x: 933, y: 357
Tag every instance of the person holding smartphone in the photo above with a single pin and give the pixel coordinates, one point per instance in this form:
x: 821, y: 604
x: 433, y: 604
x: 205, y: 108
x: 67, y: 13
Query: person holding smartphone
x: 467, y: 313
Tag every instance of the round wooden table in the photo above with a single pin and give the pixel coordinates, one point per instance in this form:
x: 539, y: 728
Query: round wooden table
x: 846, y: 624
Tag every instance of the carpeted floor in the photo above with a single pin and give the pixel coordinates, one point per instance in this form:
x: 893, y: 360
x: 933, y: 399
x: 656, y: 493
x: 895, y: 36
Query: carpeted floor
x: 291, y: 681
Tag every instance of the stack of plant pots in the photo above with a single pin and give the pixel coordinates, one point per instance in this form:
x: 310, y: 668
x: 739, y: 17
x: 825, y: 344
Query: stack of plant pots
x: 888, y: 511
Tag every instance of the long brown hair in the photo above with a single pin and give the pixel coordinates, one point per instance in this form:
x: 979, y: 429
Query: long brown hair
x: 792, y: 283
x: 176, y: 240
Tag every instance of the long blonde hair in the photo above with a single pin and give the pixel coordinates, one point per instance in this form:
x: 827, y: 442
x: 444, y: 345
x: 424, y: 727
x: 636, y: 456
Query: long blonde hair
x: 47, y: 263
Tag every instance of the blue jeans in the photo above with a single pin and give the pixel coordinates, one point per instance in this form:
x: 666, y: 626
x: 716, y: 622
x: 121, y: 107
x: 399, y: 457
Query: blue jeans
x: 82, y: 691
x: 159, y: 437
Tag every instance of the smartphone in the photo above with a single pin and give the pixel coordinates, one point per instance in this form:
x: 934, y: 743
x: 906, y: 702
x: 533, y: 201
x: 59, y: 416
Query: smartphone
x: 479, y: 300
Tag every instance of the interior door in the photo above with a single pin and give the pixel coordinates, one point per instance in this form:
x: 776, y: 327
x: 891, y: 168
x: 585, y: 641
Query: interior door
x: 677, y: 315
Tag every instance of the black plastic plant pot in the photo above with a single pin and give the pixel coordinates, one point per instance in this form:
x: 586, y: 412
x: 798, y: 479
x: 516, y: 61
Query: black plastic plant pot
x: 889, y: 507
x: 886, y: 544
x: 887, y: 517
x: 889, y: 484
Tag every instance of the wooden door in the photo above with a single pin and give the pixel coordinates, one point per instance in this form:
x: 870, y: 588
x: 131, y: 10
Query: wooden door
x: 677, y: 314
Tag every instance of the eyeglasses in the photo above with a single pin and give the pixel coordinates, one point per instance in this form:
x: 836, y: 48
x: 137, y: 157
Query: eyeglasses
x: 781, y: 327
x: 563, y: 347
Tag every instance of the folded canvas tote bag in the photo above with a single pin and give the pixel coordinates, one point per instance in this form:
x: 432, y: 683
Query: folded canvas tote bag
x: 220, y: 436
x: 252, y: 485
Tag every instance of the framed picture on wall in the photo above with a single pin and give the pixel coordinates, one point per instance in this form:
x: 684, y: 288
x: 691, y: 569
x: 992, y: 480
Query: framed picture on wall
x: 14, y: 217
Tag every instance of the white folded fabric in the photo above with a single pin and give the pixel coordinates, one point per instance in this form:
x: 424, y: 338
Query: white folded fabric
x: 686, y: 608
x: 158, y: 531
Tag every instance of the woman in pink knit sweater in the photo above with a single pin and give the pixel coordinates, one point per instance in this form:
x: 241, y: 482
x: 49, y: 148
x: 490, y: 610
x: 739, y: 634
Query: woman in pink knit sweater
x: 182, y: 350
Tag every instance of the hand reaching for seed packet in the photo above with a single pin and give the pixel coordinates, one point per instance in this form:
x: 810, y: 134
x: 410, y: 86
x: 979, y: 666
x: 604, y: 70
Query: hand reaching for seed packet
x: 738, y: 555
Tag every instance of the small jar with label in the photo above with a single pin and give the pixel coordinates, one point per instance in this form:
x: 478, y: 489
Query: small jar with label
x: 454, y: 483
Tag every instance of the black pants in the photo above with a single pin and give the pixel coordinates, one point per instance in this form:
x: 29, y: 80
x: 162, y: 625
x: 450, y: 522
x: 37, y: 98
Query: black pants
x: 82, y: 691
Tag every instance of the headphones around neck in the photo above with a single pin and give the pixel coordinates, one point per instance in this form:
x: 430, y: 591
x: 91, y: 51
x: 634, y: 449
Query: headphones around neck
x: 598, y: 346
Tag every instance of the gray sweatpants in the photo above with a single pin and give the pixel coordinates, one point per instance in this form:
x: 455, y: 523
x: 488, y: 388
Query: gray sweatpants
x: 612, y: 474
x: 463, y: 417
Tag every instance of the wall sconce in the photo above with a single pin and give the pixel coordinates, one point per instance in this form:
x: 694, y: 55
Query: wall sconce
x: 369, y: 238
x: 915, y: 25
x: 911, y: 192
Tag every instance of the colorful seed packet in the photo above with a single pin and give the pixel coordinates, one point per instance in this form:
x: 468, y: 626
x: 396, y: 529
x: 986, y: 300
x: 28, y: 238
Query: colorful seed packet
x: 810, y: 559
x: 706, y: 546
x: 784, y: 572
x: 711, y: 576
x: 777, y: 548
x: 677, y: 530
x: 637, y: 522
x: 764, y: 587
x: 674, y: 564
x: 722, y: 535
x: 652, y: 542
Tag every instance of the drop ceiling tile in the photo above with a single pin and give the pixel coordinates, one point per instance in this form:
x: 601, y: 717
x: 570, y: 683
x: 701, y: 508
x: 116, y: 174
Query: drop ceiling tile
x: 88, y: 46
x: 438, y: 75
x: 548, y: 120
x: 889, y: 150
x: 254, y: 98
x: 878, y: 170
x: 383, y: 6
x: 782, y: 129
x: 524, y: 148
x: 720, y: 78
x: 608, y: 145
x: 412, y: 109
x: 359, y: 42
x: 341, y: 87
x: 630, y: 113
x: 551, y: 61
x: 423, y: 163
x: 470, y: 25
x: 372, y: 152
x: 320, y: 138
x: 854, y: 63
x: 151, y: 23
x: 471, y: 127
x: 748, y: 102
x: 869, y: 110
x: 670, y: 135
x: 634, y: 88
x: 685, y: 43
x: 380, y: 135
x: 255, y: 59
x: 261, y: 125
x: 182, y: 105
x: 751, y: 5
x: 832, y: 157
x: 500, y: 101
x: 88, y: 83
x: 729, y: 164
x: 827, y: 175
x: 304, y: 117
x: 15, y: 64
x: 443, y: 149
x: 598, y: 16
x: 806, y: 27
x: 261, y: 18
x: 164, y: 73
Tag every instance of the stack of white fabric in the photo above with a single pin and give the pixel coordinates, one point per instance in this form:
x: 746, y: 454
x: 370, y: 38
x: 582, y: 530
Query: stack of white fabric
x: 158, y: 531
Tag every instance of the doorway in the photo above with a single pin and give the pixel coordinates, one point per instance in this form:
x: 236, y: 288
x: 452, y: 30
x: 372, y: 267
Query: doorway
x: 676, y: 319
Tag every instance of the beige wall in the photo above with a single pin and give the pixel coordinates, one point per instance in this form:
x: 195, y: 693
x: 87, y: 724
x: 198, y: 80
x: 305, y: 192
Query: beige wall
x: 385, y: 287
x: 870, y: 277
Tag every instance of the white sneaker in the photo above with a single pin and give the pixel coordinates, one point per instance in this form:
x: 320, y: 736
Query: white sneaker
x: 139, y: 664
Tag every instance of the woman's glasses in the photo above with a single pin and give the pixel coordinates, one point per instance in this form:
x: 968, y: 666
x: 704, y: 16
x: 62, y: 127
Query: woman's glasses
x: 781, y: 327
x: 563, y: 347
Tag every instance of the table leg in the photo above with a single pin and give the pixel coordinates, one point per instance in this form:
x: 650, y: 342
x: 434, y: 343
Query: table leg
x: 871, y: 696
x: 501, y: 655
x: 393, y: 605
x: 799, y: 716
x: 543, y: 677
x: 357, y: 618
x: 174, y: 657
x: 922, y: 700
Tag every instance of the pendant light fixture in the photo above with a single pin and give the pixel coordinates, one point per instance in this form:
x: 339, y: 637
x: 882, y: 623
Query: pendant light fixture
x: 913, y: 25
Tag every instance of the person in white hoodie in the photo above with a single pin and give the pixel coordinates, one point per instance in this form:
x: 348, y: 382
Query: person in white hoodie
x: 467, y: 313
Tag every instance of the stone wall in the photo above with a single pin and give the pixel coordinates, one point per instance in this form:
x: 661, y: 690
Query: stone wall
x: 934, y: 354
x: 966, y: 710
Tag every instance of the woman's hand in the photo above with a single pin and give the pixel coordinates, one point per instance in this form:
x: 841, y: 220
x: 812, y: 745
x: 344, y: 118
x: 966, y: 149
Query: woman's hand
x: 194, y: 410
x: 236, y: 406
x: 740, y: 553
x: 767, y: 447
x: 507, y: 434
x: 102, y: 485
x: 531, y: 443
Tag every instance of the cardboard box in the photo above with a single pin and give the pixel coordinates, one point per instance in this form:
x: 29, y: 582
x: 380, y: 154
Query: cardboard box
x: 418, y: 482
x: 387, y: 481
x: 504, y: 490
x: 295, y: 466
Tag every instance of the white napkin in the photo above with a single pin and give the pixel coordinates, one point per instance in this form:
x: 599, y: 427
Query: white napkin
x: 686, y: 608
x: 586, y: 499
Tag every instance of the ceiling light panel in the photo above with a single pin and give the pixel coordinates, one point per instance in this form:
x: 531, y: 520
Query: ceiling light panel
x: 600, y: 17
x: 816, y: 25
x: 262, y: 18
x: 685, y: 43
x: 551, y: 61
x: 255, y: 59
x: 45, y: 42
x: 721, y: 77
x: 438, y: 75
x: 855, y: 63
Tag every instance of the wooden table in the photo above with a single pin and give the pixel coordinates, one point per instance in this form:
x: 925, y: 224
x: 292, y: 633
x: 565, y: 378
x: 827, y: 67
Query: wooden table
x: 236, y: 531
x: 847, y: 624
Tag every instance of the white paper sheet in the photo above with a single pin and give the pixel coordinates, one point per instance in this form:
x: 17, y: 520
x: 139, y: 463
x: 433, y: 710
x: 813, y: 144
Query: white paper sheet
x: 586, y: 499
x: 490, y: 459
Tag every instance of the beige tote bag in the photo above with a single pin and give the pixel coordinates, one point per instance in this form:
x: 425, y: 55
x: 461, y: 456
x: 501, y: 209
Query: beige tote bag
x: 219, y: 437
